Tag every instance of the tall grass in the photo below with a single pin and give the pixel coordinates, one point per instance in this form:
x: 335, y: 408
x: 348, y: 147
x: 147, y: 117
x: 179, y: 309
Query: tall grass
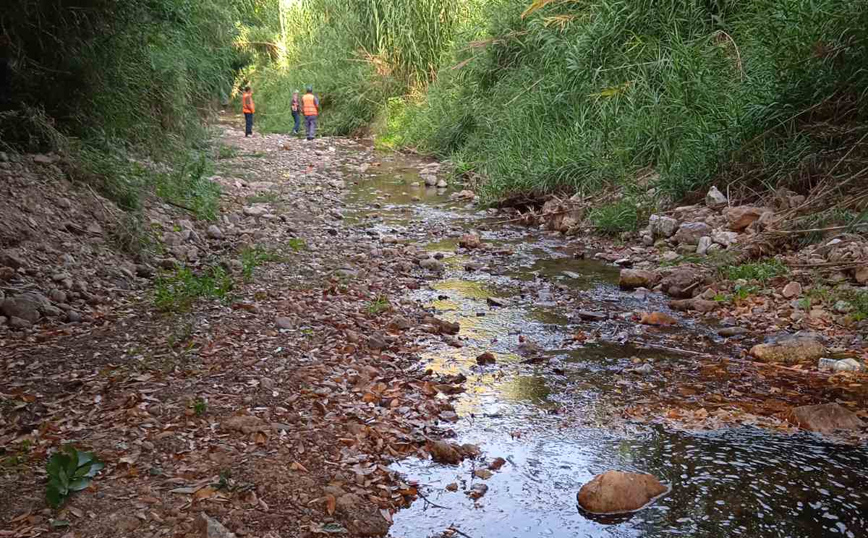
x: 356, y: 55
x: 577, y: 95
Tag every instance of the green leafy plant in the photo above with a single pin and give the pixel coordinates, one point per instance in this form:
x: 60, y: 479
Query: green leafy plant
x: 378, y: 306
x: 69, y: 470
x: 762, y: 271
x: 176, y: 291
x: 253, y: 257
x: 615, y: 218
x: 226, y: 152
x: 200, y: 406
x: 297, y: 244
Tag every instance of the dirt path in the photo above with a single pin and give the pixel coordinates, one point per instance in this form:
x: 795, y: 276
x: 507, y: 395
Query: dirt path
x: 274, y: 410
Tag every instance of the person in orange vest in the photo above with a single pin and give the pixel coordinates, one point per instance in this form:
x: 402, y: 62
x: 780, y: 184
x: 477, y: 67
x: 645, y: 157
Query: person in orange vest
x: 249, y: 108
x: 310, y: 109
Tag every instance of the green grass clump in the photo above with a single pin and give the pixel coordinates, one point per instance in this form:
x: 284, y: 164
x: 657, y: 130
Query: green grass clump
x: 179, y: 290
x: 378, y: 306
x: 762, y: 271
x: 226, y: 152
x: 253, y: 257
x: 297, y: 244
x: 263, y: 198
x: 615, y: 218
x: 858, y: 301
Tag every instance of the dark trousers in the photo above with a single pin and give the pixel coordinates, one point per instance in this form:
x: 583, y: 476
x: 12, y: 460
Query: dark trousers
x: 310, y: 123
x: 296, y: 116
x: 248, y: 123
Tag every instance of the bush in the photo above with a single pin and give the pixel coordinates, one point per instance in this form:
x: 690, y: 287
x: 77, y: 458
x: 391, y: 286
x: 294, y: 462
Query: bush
x: 615, y: 218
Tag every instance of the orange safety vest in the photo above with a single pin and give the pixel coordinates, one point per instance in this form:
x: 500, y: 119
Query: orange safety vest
x: 247, y: 103
x: 308, y: 105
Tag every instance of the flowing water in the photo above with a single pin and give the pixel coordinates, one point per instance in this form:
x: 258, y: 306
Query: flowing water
x: 557, y: 421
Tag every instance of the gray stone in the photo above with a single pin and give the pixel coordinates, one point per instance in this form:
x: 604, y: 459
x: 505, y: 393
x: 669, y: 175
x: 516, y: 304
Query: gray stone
x: 715, y: 199
x: 842, y: 307
x: 58, y: 296
x: 442, y: 184
x: 432, y: 265
x: 726, y: 239
x: 662, y: 226
x: 792, y: 290
x: 73, y: 316
x: 3, y: 320
x: 726, y: 332
x: 637, y: 278
x: 589, y: 315
x: 11, y: 258
x: 28, y: 306
x: 214, y: 232
x: 19, y: 323
x: 283, y: 323
x: 825, y: 418
x: 790, y: 350
x: 255, y: 211
x: 211, y: 528
x: 703, y: 245
x: 689, y: 233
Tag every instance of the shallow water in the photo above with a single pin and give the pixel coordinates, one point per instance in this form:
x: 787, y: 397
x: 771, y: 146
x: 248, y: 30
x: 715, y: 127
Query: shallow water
x: 557, y: 420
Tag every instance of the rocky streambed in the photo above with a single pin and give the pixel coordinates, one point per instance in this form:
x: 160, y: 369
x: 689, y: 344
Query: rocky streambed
x: 569, y: 374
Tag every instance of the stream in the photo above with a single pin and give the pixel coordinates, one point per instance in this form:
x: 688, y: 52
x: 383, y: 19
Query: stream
x: 558, y: 421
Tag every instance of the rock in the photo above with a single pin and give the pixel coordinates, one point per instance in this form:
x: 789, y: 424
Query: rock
x: 726, y: 239
x: 3, y: 320
x: 843, y: 365
x: 637, y: 278
x: 861, y: 275
x: 465, y: 195
x: 617, y: 492
x: 214, y: 232
x: 28, y: 306
x: 470, y: 241
x: 11, y: 258
x: 790, y: 350
x: 645, y: 369
x: 430, y: 180
x: 670, y: 256
x: 445, y: 452
x: 73, y: 317
x: 57, y: 296
x: 211, y: 528
x: 495, y: 301
x: 283, y: 323
x: 442, y: 326
x: 726, y: 332
x: 245, y: 424
x: 792, y: 290
x: 680, y: 284
x: 824, y: 418
x: 452, y: 487
x: 486, y: 358
x: 715, y: 199
x: 698, y: 304
x: 477, y: 491
x: 255, y: 211
x: 432, y: 264
x: 7, y: 273
x: 703, y: 245
x: 377, y: 342
x: 442, y: 184
x: 741, y: 217
x: 689, y: 233
x: 400, y: 323
x: 144, y: 270
x: 19, y: 323
x: 661, y: 226
x: 659, y: 319
x: 842, y: 307
x: 588, y: 315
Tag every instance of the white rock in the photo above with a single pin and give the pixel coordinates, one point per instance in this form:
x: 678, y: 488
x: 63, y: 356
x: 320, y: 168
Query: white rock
x: 704, y: 244
x: 715, y: 198
x: 662, y: 226
x: 724, y: 238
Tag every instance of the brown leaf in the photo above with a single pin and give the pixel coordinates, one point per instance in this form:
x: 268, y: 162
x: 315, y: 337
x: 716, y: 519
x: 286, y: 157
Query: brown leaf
x: 296, y: 466
x: 331, y: 503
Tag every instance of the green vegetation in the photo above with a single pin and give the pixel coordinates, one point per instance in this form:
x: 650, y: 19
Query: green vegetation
x: 540, y: 96
x: 263, y: 198
x: 763, y: 271
x: 226, y: 152
x: 199, y: 406
x: 69, y: 470
x: 615, y: 218
x: 253, y: 257
x: 178, y: 290
x: 297, y: 244
x: 378, y: 306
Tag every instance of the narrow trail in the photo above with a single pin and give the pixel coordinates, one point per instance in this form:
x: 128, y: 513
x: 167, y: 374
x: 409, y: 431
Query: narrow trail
x: 304, y: 403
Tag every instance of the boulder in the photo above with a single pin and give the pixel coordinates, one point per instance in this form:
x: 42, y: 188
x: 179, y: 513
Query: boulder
x: 659, y: 319
x: 741, y: 217
x: 211, y: 528
x: 792, y: 290
x: 661, y: 226
x: 861, y: 275
x: 636, y: 278
x: 19, y: 323
x: 470, y: 241
x: 486, y: 358
x: 617, y: 492
x: 214, y: 232
x: 11, y: 258
x: 29, y: 306
x: 824, y: 418
x: 689, y: 233
x: 680, y: 284
x: 432, y: 264
x: 723, y: 238
x: 790, y: 350
x: 703, y: 245
x: 715, y: 199
x: 445, y: 452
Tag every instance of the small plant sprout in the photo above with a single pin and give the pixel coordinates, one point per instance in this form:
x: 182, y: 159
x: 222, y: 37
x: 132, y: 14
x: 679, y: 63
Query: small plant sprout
x: 69, y: 470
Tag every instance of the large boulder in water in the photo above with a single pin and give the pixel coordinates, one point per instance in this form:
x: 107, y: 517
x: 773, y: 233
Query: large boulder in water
x: 790, y: 350
x: 617, y: 492
x: 636, y: 278
x: 824, y: 418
